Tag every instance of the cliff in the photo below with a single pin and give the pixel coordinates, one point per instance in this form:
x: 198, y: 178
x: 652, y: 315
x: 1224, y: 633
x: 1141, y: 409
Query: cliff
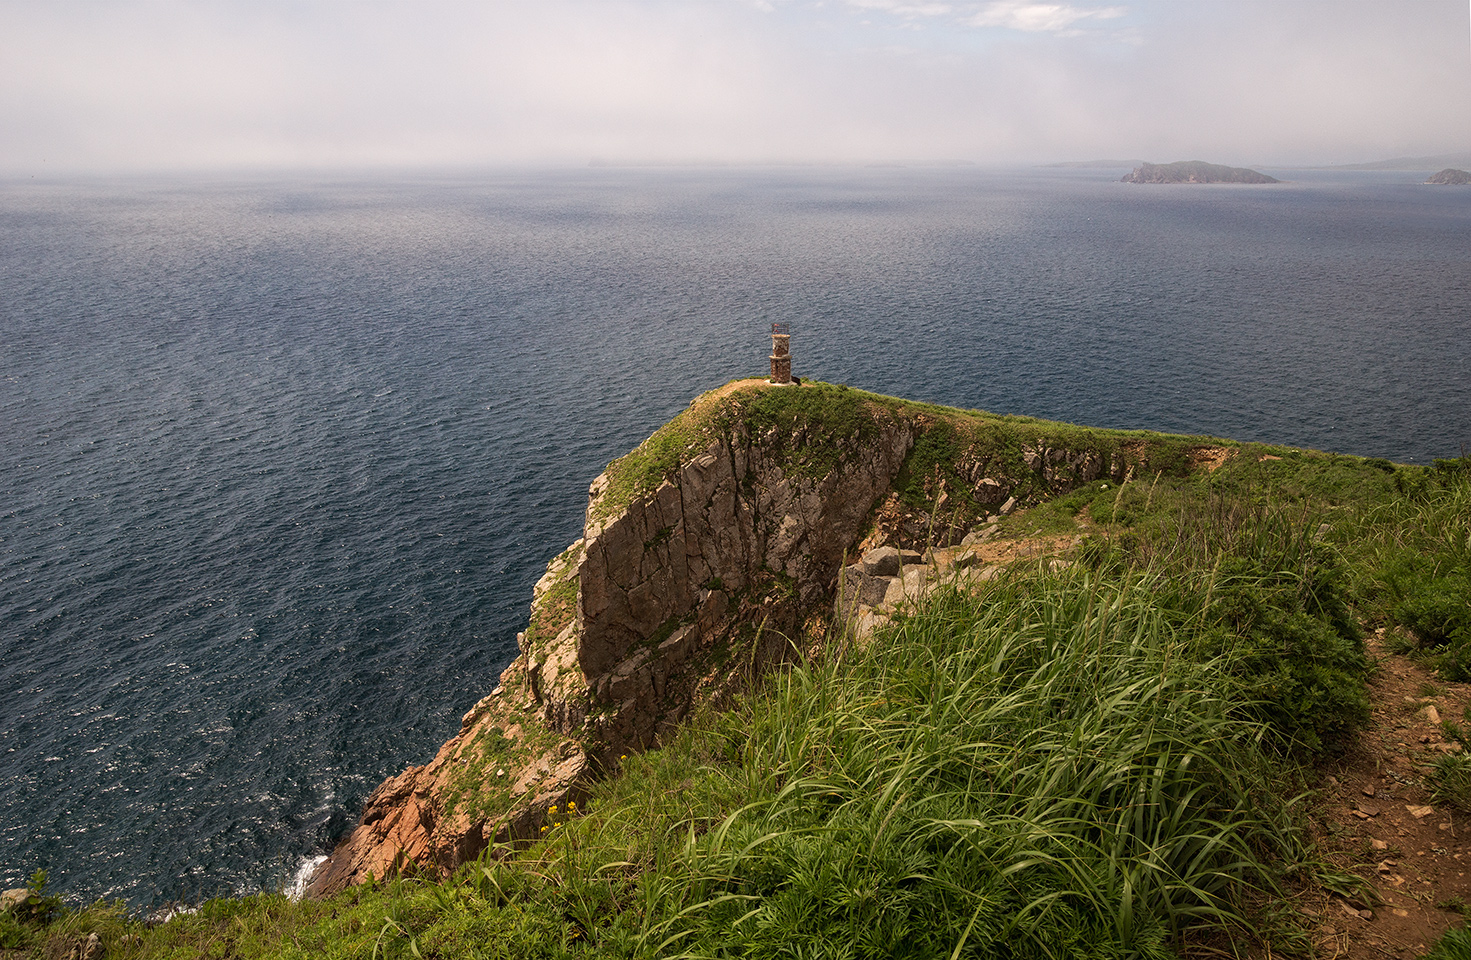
x: 1194, y: 171
x: 708, y: 555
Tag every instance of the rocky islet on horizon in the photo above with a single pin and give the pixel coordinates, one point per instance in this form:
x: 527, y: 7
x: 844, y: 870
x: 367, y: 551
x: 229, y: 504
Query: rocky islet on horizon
x: 1450, y: 176
x: 1194, y: 171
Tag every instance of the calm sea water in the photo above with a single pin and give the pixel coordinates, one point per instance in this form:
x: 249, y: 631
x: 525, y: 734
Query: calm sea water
x: 282, y: 458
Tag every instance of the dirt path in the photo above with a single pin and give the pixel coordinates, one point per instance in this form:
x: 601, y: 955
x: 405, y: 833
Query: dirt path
x: 1377, y: 820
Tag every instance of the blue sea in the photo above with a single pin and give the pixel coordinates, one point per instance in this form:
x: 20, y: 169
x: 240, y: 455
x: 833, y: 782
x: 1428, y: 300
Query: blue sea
x: 280, y: 458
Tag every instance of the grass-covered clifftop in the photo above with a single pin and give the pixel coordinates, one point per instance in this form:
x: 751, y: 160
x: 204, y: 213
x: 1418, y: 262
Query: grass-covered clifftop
x: 823, y: 418
x: 1104, y: 752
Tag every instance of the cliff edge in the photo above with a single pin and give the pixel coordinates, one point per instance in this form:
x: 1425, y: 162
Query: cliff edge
x: 709, y: 555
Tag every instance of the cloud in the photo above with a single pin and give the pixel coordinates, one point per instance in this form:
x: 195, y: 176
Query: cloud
x: 1025, y: 15
x: 1039, y: 17
x: 904, y: 8
x: 172, y: 84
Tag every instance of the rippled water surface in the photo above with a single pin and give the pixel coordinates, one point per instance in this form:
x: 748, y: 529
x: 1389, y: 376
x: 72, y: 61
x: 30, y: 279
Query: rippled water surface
x: 281, y: 459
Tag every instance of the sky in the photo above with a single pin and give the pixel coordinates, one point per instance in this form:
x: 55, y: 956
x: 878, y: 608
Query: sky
x: 126, y: 85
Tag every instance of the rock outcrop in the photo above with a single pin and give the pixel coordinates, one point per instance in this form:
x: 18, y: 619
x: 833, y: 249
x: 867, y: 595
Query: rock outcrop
x: 23, y: 903
x: 695, y: 573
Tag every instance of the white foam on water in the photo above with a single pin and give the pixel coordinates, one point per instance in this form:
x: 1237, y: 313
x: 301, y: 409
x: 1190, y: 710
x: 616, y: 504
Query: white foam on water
x: 303, y: 874
x: 165, y: 914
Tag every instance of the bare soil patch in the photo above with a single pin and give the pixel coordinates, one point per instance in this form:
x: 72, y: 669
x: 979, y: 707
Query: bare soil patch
x: 1210, y: 458
x: 1376, y: 819
x: 719, y: 393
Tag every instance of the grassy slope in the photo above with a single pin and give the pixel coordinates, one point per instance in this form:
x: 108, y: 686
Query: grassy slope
x: 1087, y: 762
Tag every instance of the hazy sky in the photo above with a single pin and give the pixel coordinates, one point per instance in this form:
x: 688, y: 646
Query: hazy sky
x: 325, y: 83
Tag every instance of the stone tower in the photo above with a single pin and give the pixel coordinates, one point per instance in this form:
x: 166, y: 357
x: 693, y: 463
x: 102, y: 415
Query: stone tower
x: 781, y: 353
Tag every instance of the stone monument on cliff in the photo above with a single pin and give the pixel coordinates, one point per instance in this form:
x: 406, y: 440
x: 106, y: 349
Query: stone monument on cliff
x: 781, y: 353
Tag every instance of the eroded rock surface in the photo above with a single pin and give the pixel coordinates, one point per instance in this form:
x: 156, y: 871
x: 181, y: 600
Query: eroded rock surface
x: 736, y: 542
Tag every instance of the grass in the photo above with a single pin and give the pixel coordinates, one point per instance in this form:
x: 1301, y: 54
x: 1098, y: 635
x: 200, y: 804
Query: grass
x: 481, y: 786
x: 1100, y: 760
x: 651, y: 463
x: 551, y: 613
x: 1059, y: 515
x: 1455, y: 945
x: 1061, y: 767
x: 1450, y: 780
x: 1417, y: 562
x: 1044, y: 771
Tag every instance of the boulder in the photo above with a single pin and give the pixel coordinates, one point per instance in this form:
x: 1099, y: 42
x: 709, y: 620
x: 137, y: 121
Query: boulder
x: 857, y: 586
x: 20, y: 902
x: 86, y: 948
x: 881, y: 562
x: 981, y: 534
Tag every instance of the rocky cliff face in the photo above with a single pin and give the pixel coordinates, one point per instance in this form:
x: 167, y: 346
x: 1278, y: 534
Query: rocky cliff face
x: 684, y: 589
x: 730, y: 552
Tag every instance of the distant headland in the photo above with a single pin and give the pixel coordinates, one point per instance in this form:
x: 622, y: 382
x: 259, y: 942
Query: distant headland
x: 1195, y: 171
x: 1450, y: 175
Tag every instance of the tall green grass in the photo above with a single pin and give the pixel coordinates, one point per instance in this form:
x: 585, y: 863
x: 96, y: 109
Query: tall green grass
x: 1421, y: 562
x: 1264, y: 590
x: 1048, y: 770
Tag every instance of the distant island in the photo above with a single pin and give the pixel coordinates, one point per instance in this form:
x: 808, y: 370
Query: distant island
x: 1406, y: 164
x: 1450, y: 175
x: 1087, y: 164
x: 1195, y: 171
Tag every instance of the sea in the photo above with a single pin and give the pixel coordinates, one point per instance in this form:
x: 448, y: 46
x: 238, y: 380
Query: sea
x: 281, y: 456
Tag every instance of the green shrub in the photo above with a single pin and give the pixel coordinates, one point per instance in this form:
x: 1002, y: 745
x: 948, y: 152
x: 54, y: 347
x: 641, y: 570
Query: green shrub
x: 1299, y: 656
x: 1418, y: 569
x: 932, y: 459
x: 1454, y: 467
x: 1273, y: 599
x: 814, y: 424
x: 1438, y: 610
